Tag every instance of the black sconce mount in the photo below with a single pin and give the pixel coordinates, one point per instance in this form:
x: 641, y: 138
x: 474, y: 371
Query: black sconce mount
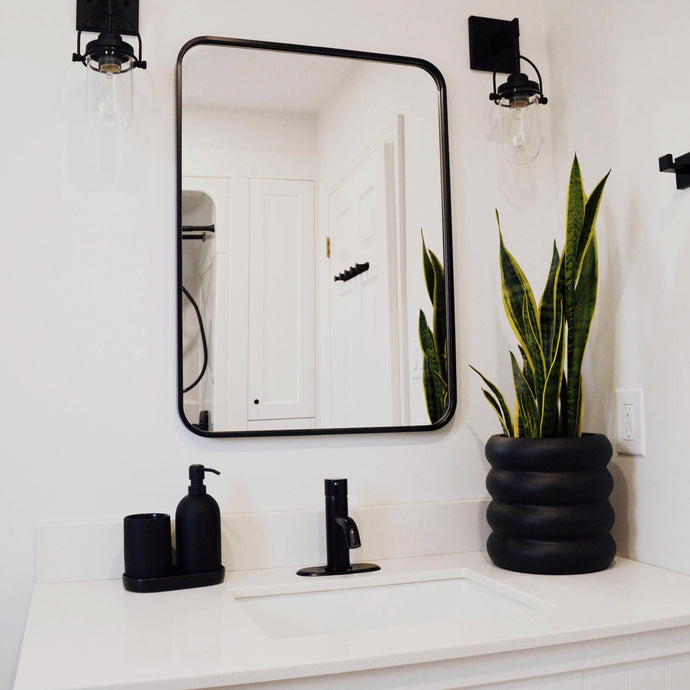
x: 109, y: 19
x: 681, y: 167
x: 495, y: 47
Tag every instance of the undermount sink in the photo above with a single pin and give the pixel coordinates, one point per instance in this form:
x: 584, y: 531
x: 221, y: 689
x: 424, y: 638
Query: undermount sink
x: 374, y: 605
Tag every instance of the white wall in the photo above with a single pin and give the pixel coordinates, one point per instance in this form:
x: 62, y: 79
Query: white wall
x: 88, y: 266
x: 619, y: 78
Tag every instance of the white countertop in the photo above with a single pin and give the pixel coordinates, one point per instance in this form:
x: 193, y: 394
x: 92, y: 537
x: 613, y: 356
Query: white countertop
x: 95, y: 634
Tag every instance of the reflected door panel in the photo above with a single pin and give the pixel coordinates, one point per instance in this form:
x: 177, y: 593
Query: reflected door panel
x: 363, y: 321
x: 281, y: 301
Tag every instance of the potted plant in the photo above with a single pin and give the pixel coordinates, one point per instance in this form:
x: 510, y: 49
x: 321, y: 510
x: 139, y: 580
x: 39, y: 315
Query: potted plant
x: 548, y: 481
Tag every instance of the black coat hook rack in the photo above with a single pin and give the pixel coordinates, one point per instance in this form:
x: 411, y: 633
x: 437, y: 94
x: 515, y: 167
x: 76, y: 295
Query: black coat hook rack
x: 681, y: 167
x: 351, y: 272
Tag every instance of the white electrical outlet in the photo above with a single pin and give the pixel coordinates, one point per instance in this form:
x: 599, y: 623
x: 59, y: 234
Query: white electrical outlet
x: 629, y: 422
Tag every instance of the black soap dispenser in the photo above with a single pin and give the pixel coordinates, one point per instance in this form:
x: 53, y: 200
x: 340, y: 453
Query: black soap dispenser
x: 197, y: 527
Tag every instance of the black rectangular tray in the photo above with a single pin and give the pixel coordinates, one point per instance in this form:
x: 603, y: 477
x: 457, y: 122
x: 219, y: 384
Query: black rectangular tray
x: 165, y: 584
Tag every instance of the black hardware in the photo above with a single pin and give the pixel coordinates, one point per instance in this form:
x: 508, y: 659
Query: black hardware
x: 351, y: 272
x: 205, y: 231
x: 341, y: 535
x: 204, y: 421
x: 109, y: 19
x: 495, y: 47
x: 681, y: 167
x: 198, y: 228
x: 492, y: 44
x: 108, y: 15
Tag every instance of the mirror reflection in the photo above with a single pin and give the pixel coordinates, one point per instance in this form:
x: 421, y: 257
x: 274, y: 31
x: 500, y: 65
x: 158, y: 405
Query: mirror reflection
x: 309, y: 182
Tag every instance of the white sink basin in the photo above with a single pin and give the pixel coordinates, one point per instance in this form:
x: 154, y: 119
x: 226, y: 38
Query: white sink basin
x: 356, y: 608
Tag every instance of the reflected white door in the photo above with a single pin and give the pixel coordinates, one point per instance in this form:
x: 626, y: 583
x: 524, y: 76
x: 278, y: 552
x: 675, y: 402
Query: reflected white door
x: 365, y: 388
x: 281, y: 306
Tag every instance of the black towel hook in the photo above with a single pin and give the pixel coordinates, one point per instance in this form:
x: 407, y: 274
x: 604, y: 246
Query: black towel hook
x: 681, y: 167
x: 350, y: 273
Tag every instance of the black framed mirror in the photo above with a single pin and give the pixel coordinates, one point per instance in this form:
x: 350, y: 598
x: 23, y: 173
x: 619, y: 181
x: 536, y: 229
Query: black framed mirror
x: 314, y: 258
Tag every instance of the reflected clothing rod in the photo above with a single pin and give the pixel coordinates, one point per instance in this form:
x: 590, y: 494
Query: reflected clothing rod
x: 202, y: 229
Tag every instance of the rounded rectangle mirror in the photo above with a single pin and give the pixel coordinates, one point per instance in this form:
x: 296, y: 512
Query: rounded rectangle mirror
x: 315, y: 290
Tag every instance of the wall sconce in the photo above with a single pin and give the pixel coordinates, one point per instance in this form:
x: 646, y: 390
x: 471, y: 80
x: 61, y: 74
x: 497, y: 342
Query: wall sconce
x: 495, y: 47
x: 108, y: 59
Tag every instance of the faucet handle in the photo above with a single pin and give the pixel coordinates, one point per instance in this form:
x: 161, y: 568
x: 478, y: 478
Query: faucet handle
x: 349, y: 527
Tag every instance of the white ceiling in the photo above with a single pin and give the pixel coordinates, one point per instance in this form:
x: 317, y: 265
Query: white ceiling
x: 231, y: 77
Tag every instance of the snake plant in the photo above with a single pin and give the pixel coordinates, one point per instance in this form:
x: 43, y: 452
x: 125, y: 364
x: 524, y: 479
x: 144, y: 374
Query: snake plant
x: 433, y: 339
x: 552, y: 335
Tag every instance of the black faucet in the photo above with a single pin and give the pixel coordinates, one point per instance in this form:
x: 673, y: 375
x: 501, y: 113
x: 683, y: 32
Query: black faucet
x: 341, y: 535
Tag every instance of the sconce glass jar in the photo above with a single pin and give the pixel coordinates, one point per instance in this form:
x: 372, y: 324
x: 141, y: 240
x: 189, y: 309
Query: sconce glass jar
x: 109, y: 61
x: 519, y: 100
x: 521, y: 129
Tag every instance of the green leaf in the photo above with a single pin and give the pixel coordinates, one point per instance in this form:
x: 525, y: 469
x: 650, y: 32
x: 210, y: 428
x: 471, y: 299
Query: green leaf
x: 439, y: 315
x: 504, y: 414
x: 549, y: 307
x: 591, y: 212
x: 519, y: 305
x: 434, y: 405
x: 426, y: 339
x: 429, y: 277
x: 527, y: 371
x: 574, y: 219
x: 578, y: 331
x: 496, y: 405
x: 528, y: 423
x: 534, y: 346
x: 549, y: 422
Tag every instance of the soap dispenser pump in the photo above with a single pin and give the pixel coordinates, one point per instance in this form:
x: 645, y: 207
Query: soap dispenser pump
x: 197, y: 527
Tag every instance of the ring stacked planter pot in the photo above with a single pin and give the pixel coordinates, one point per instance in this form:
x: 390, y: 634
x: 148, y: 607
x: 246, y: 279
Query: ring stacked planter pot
x: 550, y: 512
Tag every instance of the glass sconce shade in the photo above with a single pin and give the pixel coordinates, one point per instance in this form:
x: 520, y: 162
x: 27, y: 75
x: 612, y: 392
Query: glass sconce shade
x: 109, y: 97
x: 521, y: 128
x: 109, y: 82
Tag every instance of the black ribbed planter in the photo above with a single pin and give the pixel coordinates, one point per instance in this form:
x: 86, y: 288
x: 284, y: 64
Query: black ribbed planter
x: 550, y: 512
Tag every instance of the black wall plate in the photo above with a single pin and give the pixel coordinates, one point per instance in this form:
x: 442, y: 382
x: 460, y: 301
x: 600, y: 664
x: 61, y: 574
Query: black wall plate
x: 492, y: 44
x: 92, y: 16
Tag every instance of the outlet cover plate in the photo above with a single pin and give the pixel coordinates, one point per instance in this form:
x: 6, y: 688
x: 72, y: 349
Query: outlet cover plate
x: 630, y: 431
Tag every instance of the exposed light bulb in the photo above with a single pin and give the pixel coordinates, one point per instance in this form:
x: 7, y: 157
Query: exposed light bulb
x: 110, y: 95
x: 105, y: 105
x: 521, y: 132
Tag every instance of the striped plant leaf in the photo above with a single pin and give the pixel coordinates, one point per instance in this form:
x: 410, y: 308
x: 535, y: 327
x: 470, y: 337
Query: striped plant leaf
x: 434, y: 405
x: 439, y: 315
x: 527, y: 369
x: 426, y: 339
x: 508, y: 431
x: 434, y: 342
x: 574, y: 219
x: 502, y: 409
x: 429, y: 277
x: 585, y: 298
x: 527, y: 413
x: 553, y: 336
x: 548, y: 305
x: 549, y: 418
x: 521, y: 309
x: 580, y: 291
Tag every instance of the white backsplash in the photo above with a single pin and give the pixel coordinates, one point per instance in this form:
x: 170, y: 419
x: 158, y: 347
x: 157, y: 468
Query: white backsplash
x: 69, y: 552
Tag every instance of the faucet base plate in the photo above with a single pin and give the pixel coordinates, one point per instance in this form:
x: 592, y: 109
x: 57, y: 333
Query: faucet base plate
x: 318, y: 570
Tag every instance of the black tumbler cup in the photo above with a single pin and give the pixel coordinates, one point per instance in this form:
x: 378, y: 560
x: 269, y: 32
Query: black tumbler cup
x: 148, y: 545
